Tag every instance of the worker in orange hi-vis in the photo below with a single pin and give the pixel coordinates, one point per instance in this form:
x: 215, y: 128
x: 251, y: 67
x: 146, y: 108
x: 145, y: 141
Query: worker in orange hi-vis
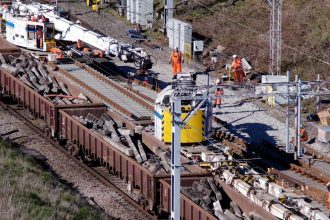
x: 39, y: 38
x: 80, y: 44
x: 176, y: 60
x: 303, y: 135
x: 217, y: 99
x: 237, y: 67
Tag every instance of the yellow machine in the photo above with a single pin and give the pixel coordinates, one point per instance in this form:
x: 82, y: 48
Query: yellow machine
x: 192, y: 132
x: 196, y: 130
x: 94, y: 4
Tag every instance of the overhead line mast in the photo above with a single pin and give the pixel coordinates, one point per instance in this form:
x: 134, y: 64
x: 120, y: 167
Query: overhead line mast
x: 275, y: 37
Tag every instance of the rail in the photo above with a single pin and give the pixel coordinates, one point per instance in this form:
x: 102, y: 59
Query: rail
x: 134, y: 96
x: 233, y: 142
x: 82, y: 84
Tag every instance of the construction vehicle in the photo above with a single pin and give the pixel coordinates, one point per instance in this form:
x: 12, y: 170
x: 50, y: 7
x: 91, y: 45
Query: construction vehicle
x: 66, y: 30
x: 90, y: 3
x: 198, y: 126
x: 95, y: 4
x: 28, y: 30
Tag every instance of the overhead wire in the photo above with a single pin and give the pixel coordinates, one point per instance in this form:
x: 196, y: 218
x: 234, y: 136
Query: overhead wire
x: 258, y: 32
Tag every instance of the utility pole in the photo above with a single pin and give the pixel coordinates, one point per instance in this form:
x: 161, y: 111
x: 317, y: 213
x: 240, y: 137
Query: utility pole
x: 287, y: 114
x: 275, y: 37
x: 299, y: 119
x: 175, y: 158
x: 181, y: 93
x: 168, y: 12
x: 318, y: 97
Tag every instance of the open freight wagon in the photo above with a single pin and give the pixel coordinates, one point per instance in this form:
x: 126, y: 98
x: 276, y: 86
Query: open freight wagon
x: 38, y: 105
x: 95, y: 145
x: 189, y: 209
x: 58, y: 118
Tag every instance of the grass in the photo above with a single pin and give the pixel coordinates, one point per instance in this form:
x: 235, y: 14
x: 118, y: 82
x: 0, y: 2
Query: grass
x: 30, y: 190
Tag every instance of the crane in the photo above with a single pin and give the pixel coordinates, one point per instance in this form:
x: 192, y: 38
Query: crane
x: 69, y: 31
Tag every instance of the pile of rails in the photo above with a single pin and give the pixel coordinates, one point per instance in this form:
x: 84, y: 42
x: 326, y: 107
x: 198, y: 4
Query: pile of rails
x: 126, y: 141
x: 34, y: 74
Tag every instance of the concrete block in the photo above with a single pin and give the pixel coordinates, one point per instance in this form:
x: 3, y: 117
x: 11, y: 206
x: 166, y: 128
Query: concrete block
x: 76, y: 101
x: 42, y: 81
x: 132, y: 146
x: 2, y: 59
x: 231, y: 215
x: 42, y: 71
x: 154, y: 167
x: 220, y: 215
x: 36, y: 72
x: 166, y: 166
x: 100, y: 123
x: 324, y: 117
x: 218, y: 195
x: 207, y: 200
x: 141, y: 150
x: 66, y: 101
x: 236, y: 210
x: 59, y: 102
x: 105, y: 132
x: 127, y: 151
x: 119, y: 124
x: 138, y: 129
x: 64, y: 88
x: 204, y: 205
x: 25, y: 79
x: 217, y: 206
x: 46, y: 90
x: 323, y: 134
x: 54, y: 90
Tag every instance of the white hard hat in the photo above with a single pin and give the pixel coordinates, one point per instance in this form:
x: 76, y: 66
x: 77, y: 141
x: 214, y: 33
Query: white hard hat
x: 234, y: 56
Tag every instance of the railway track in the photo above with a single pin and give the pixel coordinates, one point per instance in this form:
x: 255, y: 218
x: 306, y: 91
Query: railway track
x: 95, y: 172
x: 141, y: 99
x: 134, y: 104
x: 306, y: 180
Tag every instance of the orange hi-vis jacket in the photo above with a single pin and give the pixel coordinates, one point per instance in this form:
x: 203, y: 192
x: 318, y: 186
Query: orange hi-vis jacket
x: 39, y: 33
x: 328, y: 187
x: 217, y: 94
x: 237, y: 64
x: 176, y: 60
x: 303, y: 135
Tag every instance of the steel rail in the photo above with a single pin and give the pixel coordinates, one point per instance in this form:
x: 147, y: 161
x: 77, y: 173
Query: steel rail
x: 134, y: 95
x: 234, y: 143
